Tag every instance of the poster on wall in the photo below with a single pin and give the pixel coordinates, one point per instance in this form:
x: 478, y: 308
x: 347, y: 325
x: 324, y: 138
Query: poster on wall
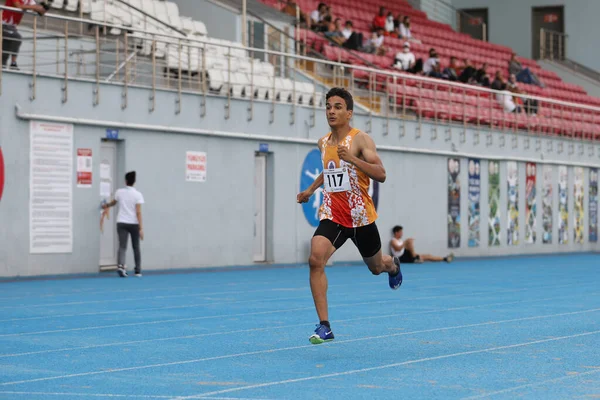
x: 84, y: 168
x: 453, y: 203
x: 195, y: 166
x: 494, y: 203
x: 547, y: 204
x: 512, y: 179
x: 593, y: 206
x: 51, y: 188
x: 474, y: 201
x: 530, y: 203
x: 563, y: 205
x: 1, y: 173
x: 578, y: 212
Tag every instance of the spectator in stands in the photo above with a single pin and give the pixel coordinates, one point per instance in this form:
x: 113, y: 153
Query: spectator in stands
x: 482, y: 77
x: 405, y: 30
x: 498, y: 83
x: 11, y: 38
x: 529, y: 105
x: 334, y: 31
x: 379, y: 20
x: 397, y: 23
x: 451, y: 71
x: 316, y: 17
x: 389, y: 25
x: 467, y: 73
x: 431, y: 61
x: 436, y: 71
x: 522, y: 74
x: 506, y: 100
x: 512, y: 82
x: 354, y: 40
x: 375, y: 45
x: 405, y: 59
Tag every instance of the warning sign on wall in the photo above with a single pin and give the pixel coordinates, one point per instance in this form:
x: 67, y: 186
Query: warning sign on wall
x: 195, y: 166
x: 84, y: 168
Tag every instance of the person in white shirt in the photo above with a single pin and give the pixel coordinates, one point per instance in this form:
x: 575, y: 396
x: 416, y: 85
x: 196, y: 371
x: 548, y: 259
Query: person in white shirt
x: 431, y: 61
x: 405, y: 250
x: 316, y: 17
x: 129, y: 222
x: 505, y: 98
x: 405, y: 59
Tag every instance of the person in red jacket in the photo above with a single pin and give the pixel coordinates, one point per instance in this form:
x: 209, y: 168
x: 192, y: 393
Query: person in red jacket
x: 11, y: 38
x: 379, y: 20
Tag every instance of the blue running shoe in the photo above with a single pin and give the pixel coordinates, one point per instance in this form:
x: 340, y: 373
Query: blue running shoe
x: 396, y: 280
x: 322, y: 334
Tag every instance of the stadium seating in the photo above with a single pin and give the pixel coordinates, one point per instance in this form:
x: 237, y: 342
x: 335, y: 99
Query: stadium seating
x: 228, y: 67
x: 447, y: 43
x: 446, y: 103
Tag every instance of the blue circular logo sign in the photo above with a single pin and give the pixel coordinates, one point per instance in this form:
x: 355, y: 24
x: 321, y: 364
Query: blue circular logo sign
x: 311, y: 169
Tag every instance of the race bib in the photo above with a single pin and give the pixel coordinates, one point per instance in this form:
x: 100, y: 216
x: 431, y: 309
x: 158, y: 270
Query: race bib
x: 336, y: 180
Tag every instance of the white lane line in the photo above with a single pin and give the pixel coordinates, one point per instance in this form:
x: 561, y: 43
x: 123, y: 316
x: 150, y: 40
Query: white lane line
x: 534, y: 384
x: 277, y: 311
x: 109, y: 395
x: 210, y: 302
x: 340, y: 342
x: 172, y: 338
x: 387, y: 366
x: 157, y: 297
x: 256, y: 313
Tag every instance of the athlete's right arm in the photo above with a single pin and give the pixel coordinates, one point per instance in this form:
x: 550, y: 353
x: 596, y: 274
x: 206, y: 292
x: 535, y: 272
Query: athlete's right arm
x: 303, y: 197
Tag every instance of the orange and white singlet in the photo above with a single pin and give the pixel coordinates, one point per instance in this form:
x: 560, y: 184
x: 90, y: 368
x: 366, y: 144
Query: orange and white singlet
x: 346, y: 199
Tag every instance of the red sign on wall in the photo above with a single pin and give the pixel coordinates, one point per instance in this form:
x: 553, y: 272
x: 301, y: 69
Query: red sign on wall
x: 84, y: 168
x: 475, y: 21
x: 550, y: 18
x: 1, y: 173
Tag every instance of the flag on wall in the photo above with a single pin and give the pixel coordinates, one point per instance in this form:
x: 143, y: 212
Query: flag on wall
x: 563, y: 205
x: 530, y: 203
x: 494, y: 203
x: 578, y: 212
x: 512, y: 179
x: 474, y: 200
x: 547, y: 204
x: 453, y: 203
x: 593, y: 232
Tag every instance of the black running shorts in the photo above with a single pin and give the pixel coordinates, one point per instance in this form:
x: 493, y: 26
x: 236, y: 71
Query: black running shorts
x: 366, y: 238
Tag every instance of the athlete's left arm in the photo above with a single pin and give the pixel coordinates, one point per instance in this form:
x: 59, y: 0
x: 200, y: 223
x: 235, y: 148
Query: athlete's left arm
x: 371, y: 163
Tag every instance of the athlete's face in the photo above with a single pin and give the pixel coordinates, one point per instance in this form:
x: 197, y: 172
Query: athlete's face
x: 399, y: 234
x: 337, y: 113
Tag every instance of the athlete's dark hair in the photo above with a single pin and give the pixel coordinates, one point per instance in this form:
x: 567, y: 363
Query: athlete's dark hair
x: 344, y: 94
x: 397, y: 228
x: 130, y: 178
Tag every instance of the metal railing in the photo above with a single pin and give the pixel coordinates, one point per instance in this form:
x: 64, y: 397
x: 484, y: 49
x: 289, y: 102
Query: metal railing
x: 204, y: 68
x: 553, y: 45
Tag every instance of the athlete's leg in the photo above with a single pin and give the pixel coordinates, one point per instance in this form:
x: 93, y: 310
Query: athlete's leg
x: 321, y: 250
x: 368, y: 242
x: 381, y: 263
x: 327, y: 238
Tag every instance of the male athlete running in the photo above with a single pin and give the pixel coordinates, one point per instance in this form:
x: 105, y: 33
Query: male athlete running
x: 350, y: 160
